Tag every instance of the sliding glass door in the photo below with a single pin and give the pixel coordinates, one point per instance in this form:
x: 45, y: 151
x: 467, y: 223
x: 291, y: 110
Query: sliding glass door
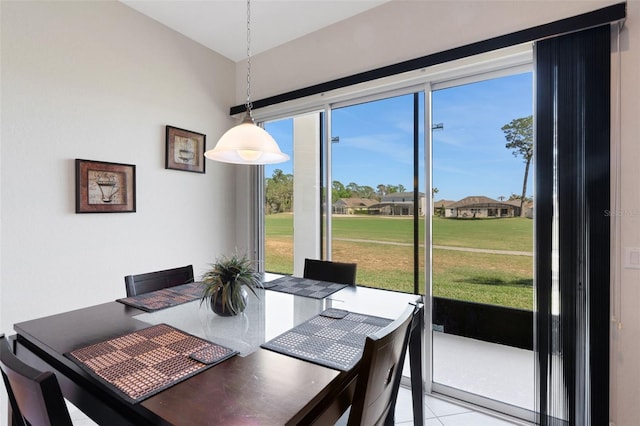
x: 377, y: 196
x: 446, y: 213
x: 482, y: 252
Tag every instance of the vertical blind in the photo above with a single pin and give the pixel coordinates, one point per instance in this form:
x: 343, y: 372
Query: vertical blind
x: 571, y: 154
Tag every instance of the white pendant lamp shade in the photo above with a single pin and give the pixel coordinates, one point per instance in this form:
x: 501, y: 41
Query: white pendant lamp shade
x: 247, y: 143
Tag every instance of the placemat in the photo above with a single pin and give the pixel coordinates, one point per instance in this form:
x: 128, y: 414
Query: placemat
x: 145, y: 362
x: 165, y: 298
x: 303, y: 286
x: 335, y: 338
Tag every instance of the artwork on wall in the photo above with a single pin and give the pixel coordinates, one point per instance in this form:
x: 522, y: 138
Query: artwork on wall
x: 185, y: 150
x: 103, y: 187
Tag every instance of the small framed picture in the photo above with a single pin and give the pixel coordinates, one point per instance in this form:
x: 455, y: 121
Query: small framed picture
x: 185, y: 150
x: 103, y: 187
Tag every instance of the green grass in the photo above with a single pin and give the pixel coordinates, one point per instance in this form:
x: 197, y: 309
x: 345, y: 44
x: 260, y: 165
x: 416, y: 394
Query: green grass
x: 500, y: 279
x: 515, y: 234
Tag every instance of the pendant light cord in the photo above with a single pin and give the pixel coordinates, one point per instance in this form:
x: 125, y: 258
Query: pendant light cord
x: 248, y: 104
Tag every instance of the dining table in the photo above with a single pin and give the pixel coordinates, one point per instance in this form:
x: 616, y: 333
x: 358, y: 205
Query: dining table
x: 252, y: 383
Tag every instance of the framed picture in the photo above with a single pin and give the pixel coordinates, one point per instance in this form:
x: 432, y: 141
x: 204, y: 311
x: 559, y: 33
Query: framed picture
x: 105, y: 187
x: 185, y: 150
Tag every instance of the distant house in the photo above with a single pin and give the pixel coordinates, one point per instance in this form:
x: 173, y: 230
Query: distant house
x: 482, y: 207
x: 353, y: 205
x: 527, y: 207
x: 440, y: 207
x: 398, y: 204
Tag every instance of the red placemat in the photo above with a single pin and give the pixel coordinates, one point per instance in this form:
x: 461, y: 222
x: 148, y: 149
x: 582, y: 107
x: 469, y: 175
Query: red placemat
x: 165, y: 298
x: 145, y: 362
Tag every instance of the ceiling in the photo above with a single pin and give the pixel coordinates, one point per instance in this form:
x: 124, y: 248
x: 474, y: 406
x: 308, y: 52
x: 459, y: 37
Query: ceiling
x: 221, y: 25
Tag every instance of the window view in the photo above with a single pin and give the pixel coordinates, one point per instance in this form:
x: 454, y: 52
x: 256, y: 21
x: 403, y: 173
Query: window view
x: 482, y: 258
x: 372, y: 191
x: 481, y: 221
x: 483, y: 204
x: 278, y: 207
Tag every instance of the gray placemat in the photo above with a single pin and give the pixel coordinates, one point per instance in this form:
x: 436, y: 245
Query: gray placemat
x: 331, y: 338
x: 303, y: 287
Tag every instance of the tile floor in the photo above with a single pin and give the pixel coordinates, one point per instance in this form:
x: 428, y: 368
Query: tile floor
x: 438, y: 412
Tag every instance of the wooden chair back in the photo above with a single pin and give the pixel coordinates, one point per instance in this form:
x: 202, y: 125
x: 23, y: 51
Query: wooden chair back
x: 325, y: 270
x: 380, y: 372
x: 35, y: 397
x: 151, y: 281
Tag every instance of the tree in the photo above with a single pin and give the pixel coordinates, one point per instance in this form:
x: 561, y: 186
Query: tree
x: 279, y: 192
x: 519, y: 135
x: 391, y: 189
x: 519, y: 197
x: 338, y: 191
x: 367, y: 192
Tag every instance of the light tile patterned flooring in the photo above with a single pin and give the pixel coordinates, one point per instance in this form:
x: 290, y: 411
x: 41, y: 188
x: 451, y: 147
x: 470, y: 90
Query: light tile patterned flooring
x: 439, y: 412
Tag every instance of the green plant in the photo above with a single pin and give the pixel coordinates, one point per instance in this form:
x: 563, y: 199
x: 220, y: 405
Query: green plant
x: 226, y: 279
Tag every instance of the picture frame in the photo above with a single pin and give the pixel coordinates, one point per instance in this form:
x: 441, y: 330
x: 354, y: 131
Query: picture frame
x: 103, y: 187
x: 184, y: 150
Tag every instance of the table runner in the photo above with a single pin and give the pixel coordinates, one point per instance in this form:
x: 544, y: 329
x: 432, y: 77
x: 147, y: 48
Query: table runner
x: 140, y: 364
x: 335, y: 338
x: 303, y: 286
x: 165, y: 298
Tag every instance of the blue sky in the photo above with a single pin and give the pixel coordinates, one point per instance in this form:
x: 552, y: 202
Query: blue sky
x: 469, y: 154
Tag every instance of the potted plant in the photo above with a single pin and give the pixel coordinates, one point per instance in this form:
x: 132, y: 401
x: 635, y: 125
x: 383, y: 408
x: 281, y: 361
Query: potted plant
x: 224, y: 284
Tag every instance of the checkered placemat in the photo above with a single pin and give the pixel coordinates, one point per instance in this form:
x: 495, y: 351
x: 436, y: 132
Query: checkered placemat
x: 303, y: 286
x: 335, y: 338
x: 165, y: 298
x: 145, y: 362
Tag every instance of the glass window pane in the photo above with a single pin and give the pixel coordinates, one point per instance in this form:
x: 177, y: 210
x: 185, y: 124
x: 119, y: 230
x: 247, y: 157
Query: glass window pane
x: 482, y: 260
x: 278, y: 208
x: 372, y: 172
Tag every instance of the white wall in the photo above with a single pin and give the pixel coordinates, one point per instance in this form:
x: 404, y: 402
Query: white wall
x: 99, y: 81
x: 402, y: 30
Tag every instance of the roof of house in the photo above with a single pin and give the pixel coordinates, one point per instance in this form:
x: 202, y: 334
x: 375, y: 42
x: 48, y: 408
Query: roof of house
x: 445, y: 203
x: 476, y: 201
x: 517, y: 203
x: 406, y: 194
x: 355, y: 202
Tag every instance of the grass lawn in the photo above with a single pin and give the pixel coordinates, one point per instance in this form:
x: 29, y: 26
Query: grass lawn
x: 480, y: 277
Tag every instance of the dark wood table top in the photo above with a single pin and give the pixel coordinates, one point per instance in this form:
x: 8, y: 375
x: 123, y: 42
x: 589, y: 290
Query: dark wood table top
x: 261, y: 388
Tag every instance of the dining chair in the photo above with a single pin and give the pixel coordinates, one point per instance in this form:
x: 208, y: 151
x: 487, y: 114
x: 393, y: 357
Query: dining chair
x: 35, y: 397
x: 151, y: 281
x: 326, y: 270
x: 380, y: 371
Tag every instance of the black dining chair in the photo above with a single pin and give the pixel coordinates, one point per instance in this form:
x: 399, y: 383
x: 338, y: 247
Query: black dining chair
x: 326, y: 270
x: 35, y: 397
x: 151, y: 281
x: 378, y: 381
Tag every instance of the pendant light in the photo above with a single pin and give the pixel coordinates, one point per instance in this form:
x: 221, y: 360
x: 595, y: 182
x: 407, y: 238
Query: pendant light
x: 247, y: 143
